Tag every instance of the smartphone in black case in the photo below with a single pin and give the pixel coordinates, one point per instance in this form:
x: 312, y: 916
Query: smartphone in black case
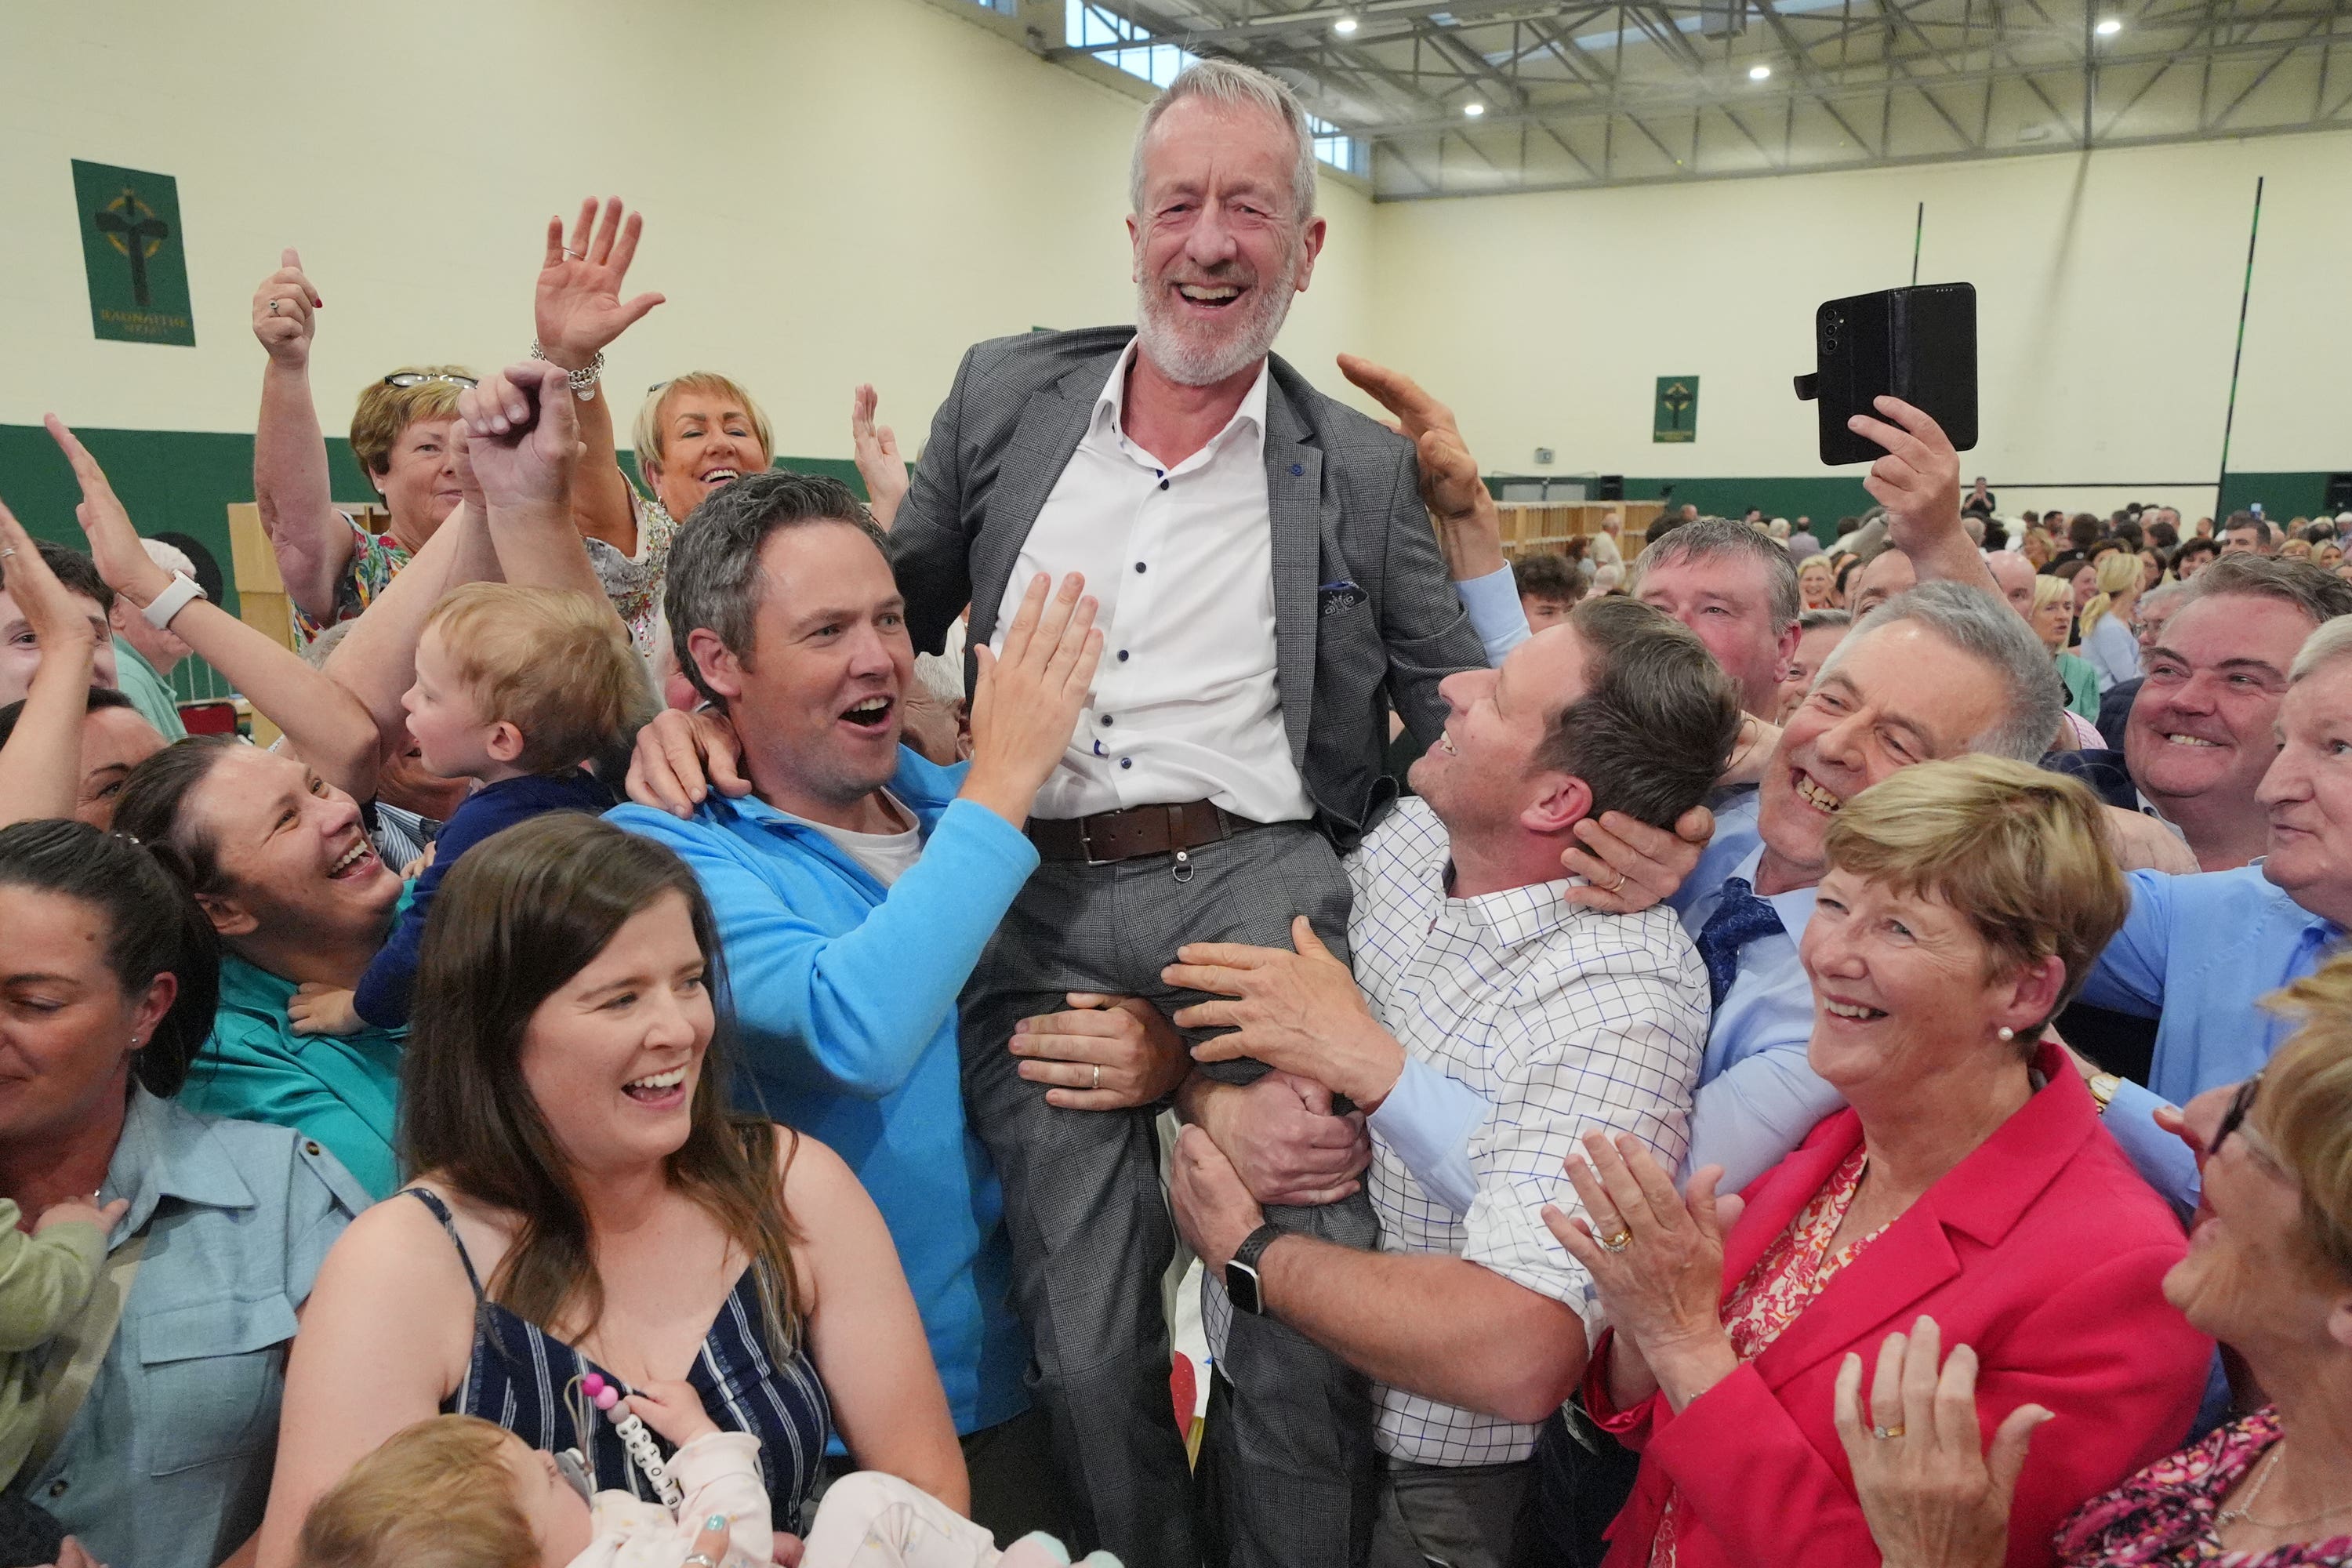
x: 1918, y: 345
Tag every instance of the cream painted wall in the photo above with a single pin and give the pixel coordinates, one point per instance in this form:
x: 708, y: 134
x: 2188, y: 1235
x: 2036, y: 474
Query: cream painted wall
x: 835, y: 191
x: 2108, y: 300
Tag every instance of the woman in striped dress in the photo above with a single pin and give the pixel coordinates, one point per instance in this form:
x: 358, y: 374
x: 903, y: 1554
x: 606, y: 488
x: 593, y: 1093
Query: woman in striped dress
x: 589, y: 1204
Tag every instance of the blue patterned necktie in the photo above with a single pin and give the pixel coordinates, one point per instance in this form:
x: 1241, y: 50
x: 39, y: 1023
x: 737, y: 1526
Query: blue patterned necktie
x: 1740, y: 919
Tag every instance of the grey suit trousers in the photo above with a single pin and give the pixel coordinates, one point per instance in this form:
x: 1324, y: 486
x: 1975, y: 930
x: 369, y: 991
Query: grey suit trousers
x: 1092, y: 1237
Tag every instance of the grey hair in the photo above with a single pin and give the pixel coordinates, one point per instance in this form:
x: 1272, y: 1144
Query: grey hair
x: 1716, y: 536
x: 1236, y: 86
x: 1986, y: 629
x: 2330, y: 643
x: 2315, y: 590
x: 2164, y: 593
x: 715, y: 582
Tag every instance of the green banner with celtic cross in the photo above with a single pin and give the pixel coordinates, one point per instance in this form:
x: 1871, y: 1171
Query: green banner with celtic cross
x: 134, y: 254
x: 1675, y: 415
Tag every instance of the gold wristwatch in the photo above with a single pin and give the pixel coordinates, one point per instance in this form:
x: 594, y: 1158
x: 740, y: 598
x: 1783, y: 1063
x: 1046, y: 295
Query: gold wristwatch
x: 2102, y: 1087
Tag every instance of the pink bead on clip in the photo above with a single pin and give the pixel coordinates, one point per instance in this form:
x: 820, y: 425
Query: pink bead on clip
x: 603, y: 1394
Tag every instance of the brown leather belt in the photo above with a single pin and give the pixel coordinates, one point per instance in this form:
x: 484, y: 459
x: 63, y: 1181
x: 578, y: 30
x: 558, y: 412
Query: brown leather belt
x: 1136, y: 832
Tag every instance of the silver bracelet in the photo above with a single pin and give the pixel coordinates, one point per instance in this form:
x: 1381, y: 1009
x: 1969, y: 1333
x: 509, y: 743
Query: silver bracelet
x: 583, y: 380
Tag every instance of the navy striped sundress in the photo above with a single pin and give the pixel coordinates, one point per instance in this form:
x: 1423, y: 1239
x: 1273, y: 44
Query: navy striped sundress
x: 518, y: 1374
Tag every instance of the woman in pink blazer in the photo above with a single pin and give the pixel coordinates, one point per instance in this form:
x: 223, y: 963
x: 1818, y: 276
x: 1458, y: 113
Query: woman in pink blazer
x: 1970, y: 1181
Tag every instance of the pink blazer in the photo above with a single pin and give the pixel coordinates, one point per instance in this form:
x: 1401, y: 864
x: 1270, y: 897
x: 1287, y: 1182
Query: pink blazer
x: 2042, y: 1250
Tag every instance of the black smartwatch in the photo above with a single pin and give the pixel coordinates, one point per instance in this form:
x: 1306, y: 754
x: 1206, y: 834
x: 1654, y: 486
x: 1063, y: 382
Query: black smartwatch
x: 1241, y: 1270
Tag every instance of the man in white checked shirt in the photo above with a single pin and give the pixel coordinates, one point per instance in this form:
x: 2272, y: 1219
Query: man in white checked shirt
x: 1489, y: 1023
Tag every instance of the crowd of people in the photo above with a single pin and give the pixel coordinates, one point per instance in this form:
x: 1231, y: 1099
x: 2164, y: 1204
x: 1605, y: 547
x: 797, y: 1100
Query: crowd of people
x: 1710, y: 1049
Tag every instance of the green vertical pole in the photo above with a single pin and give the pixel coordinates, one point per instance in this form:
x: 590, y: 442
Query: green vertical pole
x: 2237, y: 358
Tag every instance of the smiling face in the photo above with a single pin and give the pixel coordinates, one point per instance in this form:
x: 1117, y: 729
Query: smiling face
x: 830, y: 659
x: 1903, y: 988
x: 1815, y: 586
x: 20, y: 650
x: 2204, y: 725
x: 419, y: 484
x: 113, y: 742
x: 2249, y: 1278
x: 65, y: 1021
x: 1219, y: 243
x: 1899, y: 694
x: 708, y: 440
x: 1480, y: 776
x: 290, y: 846
x: 2253, y: 538
x: 1726, y: 599
x: 612, y: 1056
x: 2309, y: 794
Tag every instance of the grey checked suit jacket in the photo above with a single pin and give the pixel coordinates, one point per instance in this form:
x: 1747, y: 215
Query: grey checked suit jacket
x: 1346, y: 504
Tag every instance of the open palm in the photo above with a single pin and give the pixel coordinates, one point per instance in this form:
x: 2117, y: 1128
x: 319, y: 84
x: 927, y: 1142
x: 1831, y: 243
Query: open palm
x: 578, y: 305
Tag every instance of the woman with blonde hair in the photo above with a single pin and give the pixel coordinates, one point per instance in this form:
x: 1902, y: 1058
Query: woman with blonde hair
x: 2269, y: 1273
x: 2053, y: 621
x: 1969, y: 1178
x: 2109, y: 647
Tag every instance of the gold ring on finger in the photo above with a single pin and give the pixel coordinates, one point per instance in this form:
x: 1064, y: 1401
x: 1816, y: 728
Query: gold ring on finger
x: 1619, y: 885
x: 1883, y: 1433
x: 1619, y: 1242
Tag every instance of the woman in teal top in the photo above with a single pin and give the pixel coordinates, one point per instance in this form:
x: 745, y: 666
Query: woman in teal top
x: 165, y: 1462
x: 2053, y: 620
x: 278, y: 858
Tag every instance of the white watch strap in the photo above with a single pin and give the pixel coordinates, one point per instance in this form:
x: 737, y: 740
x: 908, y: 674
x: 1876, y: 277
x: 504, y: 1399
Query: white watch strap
x: 173, y: 600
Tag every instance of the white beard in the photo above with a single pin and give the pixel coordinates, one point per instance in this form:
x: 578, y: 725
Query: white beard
x: 1187, y: 355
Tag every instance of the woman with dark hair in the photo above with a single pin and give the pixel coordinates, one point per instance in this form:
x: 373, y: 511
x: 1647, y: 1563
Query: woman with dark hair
x: 276, y: 857
x: 587, y: 1205
x: 106, y: 985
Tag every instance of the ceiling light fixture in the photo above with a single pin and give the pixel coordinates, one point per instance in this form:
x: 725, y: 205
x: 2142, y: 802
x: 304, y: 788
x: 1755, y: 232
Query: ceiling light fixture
x: 1474, y: 108
x: 2110, y: 27
x: 1758, y: 72
x: 1344, y: 25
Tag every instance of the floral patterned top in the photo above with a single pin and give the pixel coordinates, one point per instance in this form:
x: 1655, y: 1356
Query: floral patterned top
x: 1793, y: 1270
x: 2165, y: 1513
x: 634, y: 582
x: 376, y: 559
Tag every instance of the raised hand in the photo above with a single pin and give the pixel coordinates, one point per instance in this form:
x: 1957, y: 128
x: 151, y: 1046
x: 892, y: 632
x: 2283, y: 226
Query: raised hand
x: 1934, y: 1497
x: 114, y: 545
x: 61, y: 625
x: 1468, y: 526
x: 577, y: 306
x: 1026, y: 701
x: 283, y: 311
x: 878, y: 462
x: 1919, y: 483
x: 523, y: 436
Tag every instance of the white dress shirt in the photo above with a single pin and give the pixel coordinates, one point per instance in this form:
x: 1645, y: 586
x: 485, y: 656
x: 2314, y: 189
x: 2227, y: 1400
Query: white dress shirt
x: 1565, y: 1021
x: 1180, y: 561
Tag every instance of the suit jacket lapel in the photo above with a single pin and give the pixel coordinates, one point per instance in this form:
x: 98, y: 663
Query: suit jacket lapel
x: 1294, y: 494
x: 1051, y: 425
x: 1982, y: 1197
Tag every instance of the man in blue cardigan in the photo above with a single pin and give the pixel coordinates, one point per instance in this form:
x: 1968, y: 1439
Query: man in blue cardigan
x: 855, y: 885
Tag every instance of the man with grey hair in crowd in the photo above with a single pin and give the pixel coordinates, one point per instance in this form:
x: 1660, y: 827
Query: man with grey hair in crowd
x: 1737, y: 589
x: 1269, y: 582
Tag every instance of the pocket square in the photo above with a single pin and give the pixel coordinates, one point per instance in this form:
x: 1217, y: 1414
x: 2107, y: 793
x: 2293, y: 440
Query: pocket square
x: 1333, y: 597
